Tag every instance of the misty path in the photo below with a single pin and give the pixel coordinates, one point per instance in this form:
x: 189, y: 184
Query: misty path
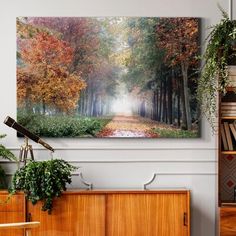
x: 128, y: 126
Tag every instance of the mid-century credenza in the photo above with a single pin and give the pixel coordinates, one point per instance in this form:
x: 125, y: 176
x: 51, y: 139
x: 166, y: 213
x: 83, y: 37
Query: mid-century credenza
x: 105, y: 213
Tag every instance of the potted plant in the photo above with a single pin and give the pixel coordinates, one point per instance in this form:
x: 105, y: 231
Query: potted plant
x: 43, y: 181
x: 220, y: 52
x: 6, y: 154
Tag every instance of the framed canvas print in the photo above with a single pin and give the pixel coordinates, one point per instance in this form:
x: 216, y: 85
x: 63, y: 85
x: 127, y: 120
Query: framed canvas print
x: 108, y: 77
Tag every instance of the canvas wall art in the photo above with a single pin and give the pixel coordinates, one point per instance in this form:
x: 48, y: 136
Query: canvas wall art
x: 108, y: 77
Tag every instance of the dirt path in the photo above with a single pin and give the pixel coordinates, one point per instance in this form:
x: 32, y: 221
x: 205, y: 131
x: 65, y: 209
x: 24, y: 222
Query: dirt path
x: 123, y: 126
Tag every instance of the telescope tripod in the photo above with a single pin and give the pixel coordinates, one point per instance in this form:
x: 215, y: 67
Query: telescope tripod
x: 24, y: 150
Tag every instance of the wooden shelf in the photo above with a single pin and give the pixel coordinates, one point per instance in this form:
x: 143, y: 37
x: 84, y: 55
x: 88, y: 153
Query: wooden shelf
x: 229, y: 152
x: 228, y: 118
x: 226, y: 204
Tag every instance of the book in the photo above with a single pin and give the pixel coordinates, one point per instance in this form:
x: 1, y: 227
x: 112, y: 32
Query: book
x: 228, y: 109
x: 228, y: 136
x: 232, y: 78
x: 232, y: 81
x: 233, y: 130
x: 223, y: 137
x: 232, y: 106
x: 232, y: 70
x: 230, y: 113
x: 234, y: 125
x: 228, y: 104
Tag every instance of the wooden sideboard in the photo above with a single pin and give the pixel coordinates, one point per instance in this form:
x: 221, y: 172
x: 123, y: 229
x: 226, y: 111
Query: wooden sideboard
x: 115, y: 213
x: 12, y: 211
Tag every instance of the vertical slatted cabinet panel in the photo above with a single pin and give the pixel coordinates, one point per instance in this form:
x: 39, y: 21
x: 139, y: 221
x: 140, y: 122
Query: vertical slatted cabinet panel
x: 148, y: 214
x: 227, y: 221
x: 73, y: 215
x: 12, y: 212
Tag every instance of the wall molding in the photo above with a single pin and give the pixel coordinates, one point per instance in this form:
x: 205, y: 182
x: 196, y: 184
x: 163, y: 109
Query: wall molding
x: 125, y: 161
x: 164, y: 173
x: 94, y: 148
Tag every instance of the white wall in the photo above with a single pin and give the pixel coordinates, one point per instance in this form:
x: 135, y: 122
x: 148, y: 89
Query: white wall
x: 120, y: 163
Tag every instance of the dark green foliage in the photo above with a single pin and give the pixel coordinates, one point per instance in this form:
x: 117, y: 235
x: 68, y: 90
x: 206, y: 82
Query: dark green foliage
x: 176, y: 133
x: 43, y: 181
x: 5, y: 153
x: 3, y: 183
x: 214, y: 77
x: 61, y: 126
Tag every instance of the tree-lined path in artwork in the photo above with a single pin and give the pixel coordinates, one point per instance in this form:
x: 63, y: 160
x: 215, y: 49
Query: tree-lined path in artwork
x: 129, y: 126
x: 77, y: 75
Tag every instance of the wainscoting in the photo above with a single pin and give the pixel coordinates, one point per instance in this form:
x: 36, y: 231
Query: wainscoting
x: 127, y: 168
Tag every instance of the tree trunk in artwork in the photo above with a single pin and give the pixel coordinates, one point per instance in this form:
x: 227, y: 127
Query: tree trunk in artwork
x: 44, y: 108
x: 142, y: 110
x: 164, y: 113
x: 160, y: 102
x: 178, y: 103
x: 95, y: 111
x: 184, y: 68
x: 170, y: 91
x: 155, y: 105
x: 183, y: 109
x: 28, y: 105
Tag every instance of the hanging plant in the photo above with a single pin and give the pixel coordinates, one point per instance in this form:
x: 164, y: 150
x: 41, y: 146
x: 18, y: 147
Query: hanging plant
x: 220, y: 52
x: 43, y: 181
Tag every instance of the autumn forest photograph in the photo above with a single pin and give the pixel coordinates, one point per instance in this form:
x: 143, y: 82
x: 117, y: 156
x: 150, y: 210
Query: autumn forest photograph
x: 108, y: 77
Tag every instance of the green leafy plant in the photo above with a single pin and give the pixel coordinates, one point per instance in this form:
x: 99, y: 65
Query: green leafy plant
x: 61, y: 126
x: 43, y: 181
x: 175, y: 133
x: 219, y: 53
x: 6, y: 154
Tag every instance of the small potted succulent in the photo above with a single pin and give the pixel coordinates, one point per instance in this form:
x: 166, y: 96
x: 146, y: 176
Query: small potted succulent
x: 219, y: 54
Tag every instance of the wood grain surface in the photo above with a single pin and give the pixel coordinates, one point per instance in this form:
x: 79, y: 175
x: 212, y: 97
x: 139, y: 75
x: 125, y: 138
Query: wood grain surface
x: 72, y: 215
x: 227, y: 221
x: 12, y: 211
x: 147, y: 215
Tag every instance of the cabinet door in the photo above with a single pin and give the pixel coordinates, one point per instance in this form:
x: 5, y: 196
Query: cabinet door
x: 147, y: 215
x: 73, y: 215
x: 12, y: 212
x: 227, y: 221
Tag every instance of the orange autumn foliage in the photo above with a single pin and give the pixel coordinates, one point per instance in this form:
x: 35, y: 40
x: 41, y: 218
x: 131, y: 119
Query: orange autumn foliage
x: 179, y: 38
x: 44, y: 77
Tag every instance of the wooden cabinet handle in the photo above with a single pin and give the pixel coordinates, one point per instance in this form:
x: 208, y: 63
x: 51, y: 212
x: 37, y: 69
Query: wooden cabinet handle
x: 185, y: 219
x: 29, y: 217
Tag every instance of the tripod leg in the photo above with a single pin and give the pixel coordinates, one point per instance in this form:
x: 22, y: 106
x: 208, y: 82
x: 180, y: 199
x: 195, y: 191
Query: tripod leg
x: 31, y: 153
x: 21, y: 154
x: 25, y: 155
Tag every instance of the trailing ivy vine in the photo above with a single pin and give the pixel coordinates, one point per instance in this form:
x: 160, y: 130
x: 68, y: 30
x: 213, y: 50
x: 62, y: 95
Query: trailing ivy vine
x: 218, y: 55
x: 43, y: 181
